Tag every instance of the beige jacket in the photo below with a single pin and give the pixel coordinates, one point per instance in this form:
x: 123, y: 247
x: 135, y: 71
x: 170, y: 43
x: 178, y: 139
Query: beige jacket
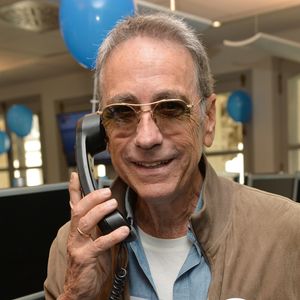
x: 251, y: 239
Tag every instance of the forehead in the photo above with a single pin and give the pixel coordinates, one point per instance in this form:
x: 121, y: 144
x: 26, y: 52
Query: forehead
x: 142, y: 66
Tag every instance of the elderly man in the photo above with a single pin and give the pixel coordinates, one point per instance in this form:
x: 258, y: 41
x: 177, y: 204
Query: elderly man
x: 199, y: 236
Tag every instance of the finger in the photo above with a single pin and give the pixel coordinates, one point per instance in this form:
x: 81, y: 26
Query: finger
x: 92, y: 217
x: 74, y: 189
x: 105, y: 242
x: 75, y: 197
x: 88, y: 202
x: 93, y: 199
x: 83, y: 234
x: 81, y: 208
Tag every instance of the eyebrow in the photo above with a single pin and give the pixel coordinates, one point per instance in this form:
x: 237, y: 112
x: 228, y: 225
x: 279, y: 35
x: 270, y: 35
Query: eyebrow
x: 170, y: 94
x: 119, y: 98
x: 164, y: 94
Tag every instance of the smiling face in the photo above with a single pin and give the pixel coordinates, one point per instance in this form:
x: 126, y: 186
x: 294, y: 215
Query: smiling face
x: 159, y: 160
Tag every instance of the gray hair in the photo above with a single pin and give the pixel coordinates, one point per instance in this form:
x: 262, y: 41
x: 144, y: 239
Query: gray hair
x: 160, y: 26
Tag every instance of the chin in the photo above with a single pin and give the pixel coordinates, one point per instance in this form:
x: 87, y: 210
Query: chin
x: 156, y: 191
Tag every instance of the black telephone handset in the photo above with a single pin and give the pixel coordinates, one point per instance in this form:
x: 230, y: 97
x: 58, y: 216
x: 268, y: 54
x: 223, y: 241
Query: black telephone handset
x: 90, y: 140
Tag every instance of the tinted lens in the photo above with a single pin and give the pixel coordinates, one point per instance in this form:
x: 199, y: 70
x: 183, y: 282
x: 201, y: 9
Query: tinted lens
x: 119, y: 113
x: 171, y: 109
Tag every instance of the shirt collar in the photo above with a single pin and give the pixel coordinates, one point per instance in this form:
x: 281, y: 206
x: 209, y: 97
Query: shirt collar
x: 130, y: 198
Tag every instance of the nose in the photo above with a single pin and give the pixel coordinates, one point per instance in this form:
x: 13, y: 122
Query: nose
x: 148, y: 135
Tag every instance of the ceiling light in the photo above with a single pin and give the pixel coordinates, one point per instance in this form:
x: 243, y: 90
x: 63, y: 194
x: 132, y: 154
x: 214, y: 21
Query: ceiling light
x: 200, y: 24
x: 172, y: 5
x: 216, y: 24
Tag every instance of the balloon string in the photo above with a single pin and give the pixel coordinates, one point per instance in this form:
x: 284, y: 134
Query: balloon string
x: 94, y: 101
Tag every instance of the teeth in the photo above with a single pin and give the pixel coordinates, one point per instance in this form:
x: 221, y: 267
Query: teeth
x: 153, y: 164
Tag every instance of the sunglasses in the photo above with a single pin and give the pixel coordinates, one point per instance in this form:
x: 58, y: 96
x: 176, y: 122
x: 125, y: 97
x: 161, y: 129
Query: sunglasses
x: 127, y: 115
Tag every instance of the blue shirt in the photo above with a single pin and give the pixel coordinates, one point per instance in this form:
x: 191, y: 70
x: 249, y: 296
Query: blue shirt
x: 192, y: 281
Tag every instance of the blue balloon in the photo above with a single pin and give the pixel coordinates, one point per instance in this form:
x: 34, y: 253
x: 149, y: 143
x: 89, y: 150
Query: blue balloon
x: 239, y: 106
x: 19, y: 119
x: 85, y: 23
x: 4, y: 142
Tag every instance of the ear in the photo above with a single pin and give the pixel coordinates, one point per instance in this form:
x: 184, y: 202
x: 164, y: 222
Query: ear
x: 209, y: 121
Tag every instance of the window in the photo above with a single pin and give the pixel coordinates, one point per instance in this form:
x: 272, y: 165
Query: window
x: 27, y: 157
x: 4, y: 174
x: 22, y: 165
x: 226, y: 153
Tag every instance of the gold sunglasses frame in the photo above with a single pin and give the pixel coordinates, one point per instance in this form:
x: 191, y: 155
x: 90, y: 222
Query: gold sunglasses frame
x: 188, y: 107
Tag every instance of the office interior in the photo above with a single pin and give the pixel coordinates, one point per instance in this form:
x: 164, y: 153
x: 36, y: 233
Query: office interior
x: 253, y: 46
x: 37, y: 70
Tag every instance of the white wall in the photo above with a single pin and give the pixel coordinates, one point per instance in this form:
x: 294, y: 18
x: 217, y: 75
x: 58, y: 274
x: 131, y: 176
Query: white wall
x: 264, y: 142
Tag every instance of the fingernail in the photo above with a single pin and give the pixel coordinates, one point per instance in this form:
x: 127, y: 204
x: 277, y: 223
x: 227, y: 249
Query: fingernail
x: 111, y: 203
x: 106, y: 191
x: 125, y: 230
x: 72, y: 176
x: 71, y: 205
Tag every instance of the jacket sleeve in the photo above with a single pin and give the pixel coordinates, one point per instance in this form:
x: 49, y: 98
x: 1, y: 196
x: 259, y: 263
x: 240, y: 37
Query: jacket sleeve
x: 53, y: 285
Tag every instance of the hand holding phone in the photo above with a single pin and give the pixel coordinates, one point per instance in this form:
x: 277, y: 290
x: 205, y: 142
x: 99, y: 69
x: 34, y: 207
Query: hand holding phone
x: 90, y: 140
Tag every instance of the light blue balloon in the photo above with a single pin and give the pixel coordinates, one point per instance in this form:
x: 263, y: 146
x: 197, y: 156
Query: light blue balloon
x: 85, y: 23
x: 4, y: 142
x: 239, y: 106
x: 19, y: 119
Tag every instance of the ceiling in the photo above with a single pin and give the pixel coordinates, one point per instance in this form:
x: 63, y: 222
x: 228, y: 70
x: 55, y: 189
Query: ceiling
x: 232, y: 10
x: 30, y: 54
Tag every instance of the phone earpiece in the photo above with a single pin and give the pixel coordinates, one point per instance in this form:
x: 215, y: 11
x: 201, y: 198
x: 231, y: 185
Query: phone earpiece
x: 90, y: 139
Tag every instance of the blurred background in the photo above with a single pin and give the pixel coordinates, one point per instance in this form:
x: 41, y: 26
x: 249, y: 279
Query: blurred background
x: 37, y: 70
x: 46, y: 85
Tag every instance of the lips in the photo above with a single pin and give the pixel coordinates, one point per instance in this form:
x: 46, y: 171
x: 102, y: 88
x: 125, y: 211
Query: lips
x: 152, y: 165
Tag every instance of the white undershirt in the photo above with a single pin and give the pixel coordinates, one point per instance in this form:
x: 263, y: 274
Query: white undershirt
x: 165, y: 258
